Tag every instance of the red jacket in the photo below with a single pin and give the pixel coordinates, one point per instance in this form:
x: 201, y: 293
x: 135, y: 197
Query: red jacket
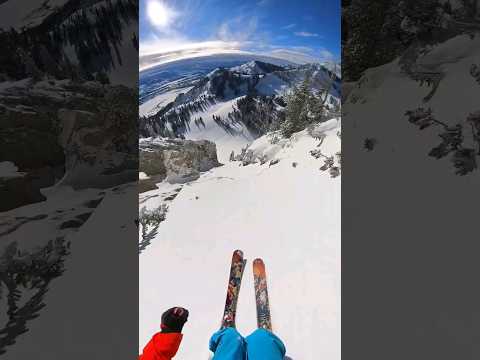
x: 162, y: 346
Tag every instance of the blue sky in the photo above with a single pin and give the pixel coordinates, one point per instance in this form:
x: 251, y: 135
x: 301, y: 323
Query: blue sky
x: 310, y: 27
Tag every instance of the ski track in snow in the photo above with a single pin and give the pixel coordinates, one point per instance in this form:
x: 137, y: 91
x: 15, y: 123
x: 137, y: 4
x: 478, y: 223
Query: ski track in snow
x: 289, y: 216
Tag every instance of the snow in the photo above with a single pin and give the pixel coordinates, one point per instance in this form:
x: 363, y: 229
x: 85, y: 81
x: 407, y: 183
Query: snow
x: 83, y: 332
x: 281, y: 149
x: 27, y: 13
x: 250, y: 68
x: 8, y: 169
x: 451, y: 51
x: 59, y: 199
x: 387, y: 84
x: 5, y: 85
x: 212, y: 131
x: 289, y: 216
x: 153, y: 105
x: 271, y: 84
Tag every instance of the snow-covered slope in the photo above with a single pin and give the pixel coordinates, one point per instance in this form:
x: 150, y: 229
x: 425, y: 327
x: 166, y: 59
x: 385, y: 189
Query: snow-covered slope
x: 420, y: 215
x: 378, y: 101
x: 80, y: 331
x: 288, y: 213
x: 233, y: 140
x: 153, y: 105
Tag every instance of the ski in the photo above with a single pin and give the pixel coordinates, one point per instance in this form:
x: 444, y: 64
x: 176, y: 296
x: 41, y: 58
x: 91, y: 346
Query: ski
x: 264, y: 320
x: 233, y: 289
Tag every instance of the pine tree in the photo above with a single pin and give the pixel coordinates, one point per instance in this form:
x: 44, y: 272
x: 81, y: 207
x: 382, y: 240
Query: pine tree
x: 297, y: 111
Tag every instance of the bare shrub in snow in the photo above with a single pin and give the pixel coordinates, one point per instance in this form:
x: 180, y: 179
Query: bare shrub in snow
x: 151, y: 218
x: 263, y: 159
x: 475, y: 72
x: 331, y: 163
x: 249, y: 158
x: 274, y: 137
x: 334, y: 171
x: 369, y: 144
x: 317, y: 153
x: 455, y: 140
x: 328, y: 163
x: 24, y: 281
x: 273, y: 162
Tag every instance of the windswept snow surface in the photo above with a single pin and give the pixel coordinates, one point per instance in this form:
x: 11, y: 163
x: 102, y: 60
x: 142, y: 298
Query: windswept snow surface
x: 288, y: 214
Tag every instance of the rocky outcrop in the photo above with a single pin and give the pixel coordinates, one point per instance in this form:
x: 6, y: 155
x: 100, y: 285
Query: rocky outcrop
x: 16, y: 191
x: 176, y: 160
x: 69, y: 133
x: 100, y: 147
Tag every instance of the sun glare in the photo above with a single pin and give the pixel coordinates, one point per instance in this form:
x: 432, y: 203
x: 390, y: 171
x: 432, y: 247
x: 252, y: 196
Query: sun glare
x: 159, y: 14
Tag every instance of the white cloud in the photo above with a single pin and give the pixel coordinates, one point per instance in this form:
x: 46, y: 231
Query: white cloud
x: 289, y: 26
x: 326, y: 55
x: 302, y: 54
x: 232, y: 35
x: 238, y: 29
x: 306, y: 34
x: 298, y: 57
x: 161, y: 51
x: 166, y: 46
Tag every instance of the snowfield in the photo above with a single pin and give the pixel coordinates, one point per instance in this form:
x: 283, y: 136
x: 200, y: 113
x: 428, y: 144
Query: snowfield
x: 287, y: 213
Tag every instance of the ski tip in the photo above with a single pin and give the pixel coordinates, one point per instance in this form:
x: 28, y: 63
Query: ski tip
x: 258, y: 261
x: 258, y: 266
x: 238, y: 253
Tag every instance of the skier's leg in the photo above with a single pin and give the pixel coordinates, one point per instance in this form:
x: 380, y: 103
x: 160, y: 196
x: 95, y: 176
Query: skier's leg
x: 228, y: 344
x: 264, y: 345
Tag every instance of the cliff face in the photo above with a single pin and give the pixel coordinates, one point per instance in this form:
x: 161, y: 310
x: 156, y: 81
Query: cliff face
x: 62, y: 132
x: 175, y: 160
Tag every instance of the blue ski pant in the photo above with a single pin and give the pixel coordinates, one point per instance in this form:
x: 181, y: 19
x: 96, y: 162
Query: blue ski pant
x: 228, y: 344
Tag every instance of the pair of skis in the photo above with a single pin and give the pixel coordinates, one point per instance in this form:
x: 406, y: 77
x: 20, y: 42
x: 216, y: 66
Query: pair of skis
x: 261, y: 294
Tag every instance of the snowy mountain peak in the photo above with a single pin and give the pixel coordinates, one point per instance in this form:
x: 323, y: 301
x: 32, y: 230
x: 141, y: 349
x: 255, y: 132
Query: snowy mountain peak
x: 256, y: 67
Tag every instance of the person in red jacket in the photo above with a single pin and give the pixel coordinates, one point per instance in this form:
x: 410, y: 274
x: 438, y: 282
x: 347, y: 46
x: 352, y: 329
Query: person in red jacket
x: 164, y: 344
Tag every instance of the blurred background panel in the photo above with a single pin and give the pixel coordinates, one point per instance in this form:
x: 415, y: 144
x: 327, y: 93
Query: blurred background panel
x: 68, y: 179
x: 409, y: 193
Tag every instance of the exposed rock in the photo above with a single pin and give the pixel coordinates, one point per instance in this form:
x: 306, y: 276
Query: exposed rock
x: 152, y: 162
x: 176, y: 160
x: 29, y: 148
x: 69, y: 133
x: 100, y: 147
x: 17, y: 191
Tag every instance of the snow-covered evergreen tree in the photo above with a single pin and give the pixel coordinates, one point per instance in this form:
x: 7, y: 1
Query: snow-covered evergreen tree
x: 297, y: 115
